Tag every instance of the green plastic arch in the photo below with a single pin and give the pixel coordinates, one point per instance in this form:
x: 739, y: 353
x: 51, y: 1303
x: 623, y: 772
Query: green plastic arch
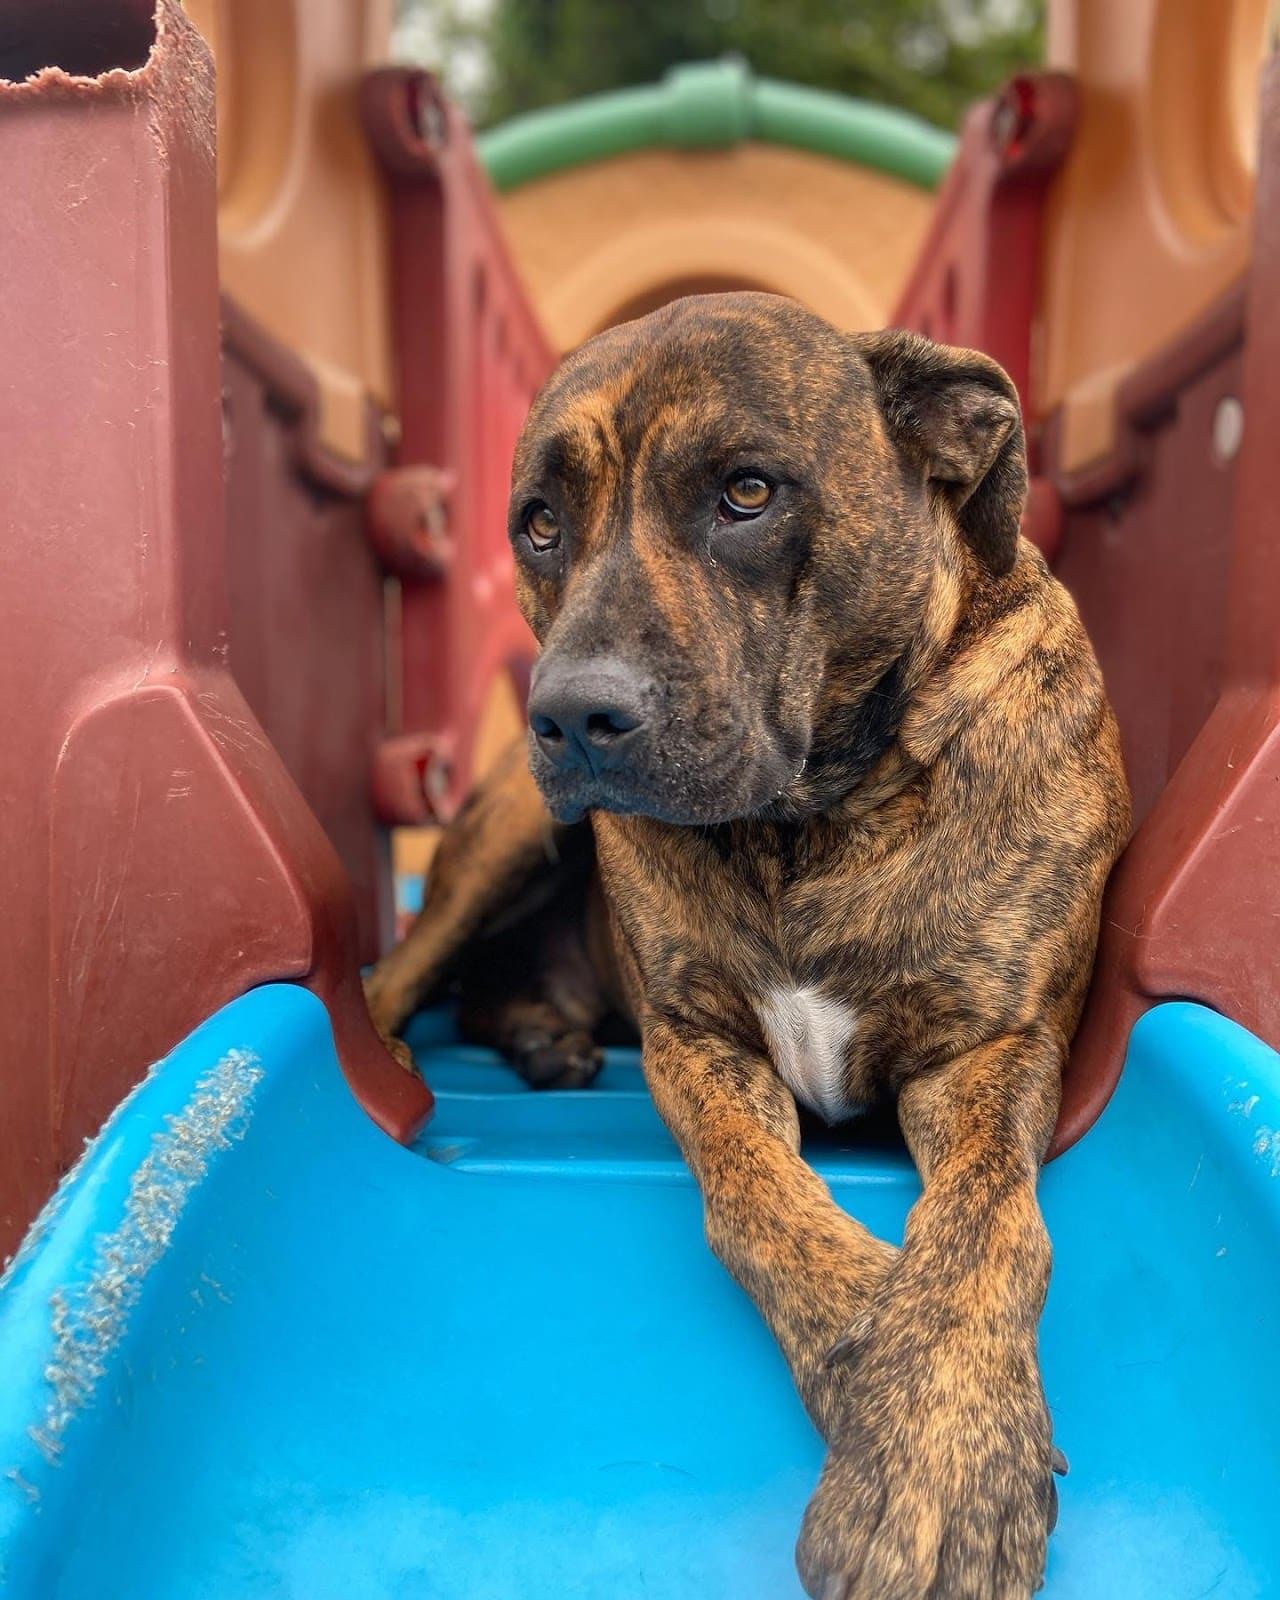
x: 710, y: 105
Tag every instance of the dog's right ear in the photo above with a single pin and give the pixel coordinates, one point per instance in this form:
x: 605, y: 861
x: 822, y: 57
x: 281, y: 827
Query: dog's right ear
x: 956, y: 413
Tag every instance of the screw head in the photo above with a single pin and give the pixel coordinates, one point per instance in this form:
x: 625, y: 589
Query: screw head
x: 436, y: 777
x: 1013, y: 117
x: 426, y: 114
x: 1228, y: 429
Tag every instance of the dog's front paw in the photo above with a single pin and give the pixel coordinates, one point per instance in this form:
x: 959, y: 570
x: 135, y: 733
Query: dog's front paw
x: 940, y: 1485
x: 401, y: 1054
x: 547, y: 1060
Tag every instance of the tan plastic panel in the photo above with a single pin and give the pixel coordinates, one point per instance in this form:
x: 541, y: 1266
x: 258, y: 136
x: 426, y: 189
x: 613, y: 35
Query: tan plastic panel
x: 1148, y: 223
x: 302, y: 234
x: 599, y: 242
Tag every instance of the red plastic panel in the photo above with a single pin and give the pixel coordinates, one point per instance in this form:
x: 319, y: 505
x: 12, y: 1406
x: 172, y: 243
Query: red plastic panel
x: 471, y: 358
x: 975, y: 280
x: 308, y: 632
x: 156, y: 858
x: 1147, y: 540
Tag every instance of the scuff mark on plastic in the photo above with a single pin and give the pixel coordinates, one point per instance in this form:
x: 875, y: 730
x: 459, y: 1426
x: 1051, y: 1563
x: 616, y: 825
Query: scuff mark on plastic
x: 1243, y: 1108
x: 89, y: 1322
x: 27, y: 1490
x: 1266, y: 1146
x: 447, y: 1154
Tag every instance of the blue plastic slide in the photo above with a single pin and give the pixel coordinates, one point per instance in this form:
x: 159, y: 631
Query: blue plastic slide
x: 255, y: 1349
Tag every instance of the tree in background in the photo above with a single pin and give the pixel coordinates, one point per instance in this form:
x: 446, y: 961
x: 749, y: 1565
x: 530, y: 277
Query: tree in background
x: 933, y: 57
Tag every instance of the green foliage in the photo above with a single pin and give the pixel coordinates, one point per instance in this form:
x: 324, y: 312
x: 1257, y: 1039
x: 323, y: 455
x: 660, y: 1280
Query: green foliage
x: 928, y: 56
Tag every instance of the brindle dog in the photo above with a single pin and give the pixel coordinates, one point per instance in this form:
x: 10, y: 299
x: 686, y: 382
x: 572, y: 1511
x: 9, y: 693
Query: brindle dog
x: 854, y: 789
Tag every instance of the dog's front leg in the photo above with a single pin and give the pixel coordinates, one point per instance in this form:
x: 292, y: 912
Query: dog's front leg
x: 809, y: 1267
x: 938, y: 1483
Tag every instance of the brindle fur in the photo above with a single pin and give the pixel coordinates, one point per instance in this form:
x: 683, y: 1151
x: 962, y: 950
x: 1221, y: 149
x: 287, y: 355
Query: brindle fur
x: 881, y: 764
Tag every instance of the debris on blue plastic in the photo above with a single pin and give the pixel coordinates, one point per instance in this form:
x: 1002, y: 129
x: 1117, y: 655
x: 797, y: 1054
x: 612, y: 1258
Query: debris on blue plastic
x: 257, y: 1350
x: 90, y: 1316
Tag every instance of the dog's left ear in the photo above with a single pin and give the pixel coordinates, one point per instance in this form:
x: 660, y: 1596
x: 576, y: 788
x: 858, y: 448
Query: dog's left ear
x: 956, y: 413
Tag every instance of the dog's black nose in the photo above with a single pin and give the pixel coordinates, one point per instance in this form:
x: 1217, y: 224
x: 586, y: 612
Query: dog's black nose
x: 585, y: 715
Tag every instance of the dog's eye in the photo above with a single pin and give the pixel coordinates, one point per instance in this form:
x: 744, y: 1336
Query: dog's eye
x: 745, y: 495
x: 541, y: 526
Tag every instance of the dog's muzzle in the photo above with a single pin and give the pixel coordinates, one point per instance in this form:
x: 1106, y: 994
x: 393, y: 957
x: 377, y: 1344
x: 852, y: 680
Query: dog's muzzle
x: 604, y: 735
x: 590, y: 719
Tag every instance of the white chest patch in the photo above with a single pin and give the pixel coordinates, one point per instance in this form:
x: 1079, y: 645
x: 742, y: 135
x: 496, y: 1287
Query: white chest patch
x: 809, y: 1034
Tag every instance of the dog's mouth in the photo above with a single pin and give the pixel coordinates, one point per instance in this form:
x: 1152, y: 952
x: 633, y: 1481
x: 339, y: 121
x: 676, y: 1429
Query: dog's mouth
x: 683, y: 792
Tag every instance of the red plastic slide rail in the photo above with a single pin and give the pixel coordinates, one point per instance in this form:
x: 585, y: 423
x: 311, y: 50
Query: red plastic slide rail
x: 975, y: 280
x: 471, y: 357
x: 1193, y: 910
x: 1194, y: 906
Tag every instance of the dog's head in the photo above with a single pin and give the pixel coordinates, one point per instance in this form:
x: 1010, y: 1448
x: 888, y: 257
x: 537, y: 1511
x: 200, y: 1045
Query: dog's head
x: 727, y: 518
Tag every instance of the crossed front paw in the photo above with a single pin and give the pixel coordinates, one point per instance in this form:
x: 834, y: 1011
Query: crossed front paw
x: 939, y: 1483
x: 400, y: 1052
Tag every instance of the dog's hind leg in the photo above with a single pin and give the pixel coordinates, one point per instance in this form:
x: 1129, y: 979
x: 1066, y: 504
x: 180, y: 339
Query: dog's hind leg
x: 534, y: 993
x: 500, y: 856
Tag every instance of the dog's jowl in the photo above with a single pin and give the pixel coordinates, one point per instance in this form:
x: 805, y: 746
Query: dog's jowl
x: 852, y: 791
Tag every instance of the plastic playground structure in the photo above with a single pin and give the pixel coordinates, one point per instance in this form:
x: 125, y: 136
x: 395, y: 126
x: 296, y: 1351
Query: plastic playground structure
x: 287, y: 1322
